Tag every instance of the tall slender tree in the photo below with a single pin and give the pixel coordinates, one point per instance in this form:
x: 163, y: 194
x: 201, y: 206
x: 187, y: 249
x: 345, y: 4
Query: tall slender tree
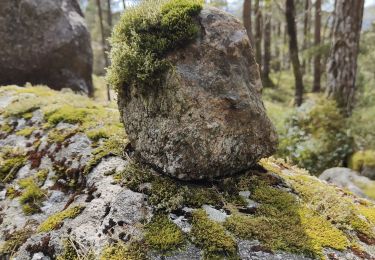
x: 293, y: 50
x: 317, y: 40
x: 246, y: 15
x: 306, y: 31
x: 342, y: 63
x: 104, y: 45
x: 267, y: 49
x: 258, y: 32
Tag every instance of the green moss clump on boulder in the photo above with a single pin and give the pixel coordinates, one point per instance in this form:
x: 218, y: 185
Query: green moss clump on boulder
x: 54, y: 221
x: 11, y: 160
x: 31, y: 196
x: 163, y: 235
x: 121, y: 251
x: 211, y: 236
x: 145, y: 35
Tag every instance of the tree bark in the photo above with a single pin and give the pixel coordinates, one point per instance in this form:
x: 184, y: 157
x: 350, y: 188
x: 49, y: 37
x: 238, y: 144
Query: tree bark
x: 267, y: 51
x: 258, y: 33
x: 317, y: 40
x: 104, y: 48
x: 342, y: 63
x: 109, y: 15
x: 293, y: 51
x: 246, y: 15
x: 306, y: 30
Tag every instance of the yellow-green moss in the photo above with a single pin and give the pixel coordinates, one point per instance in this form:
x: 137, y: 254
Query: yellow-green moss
x: 15, y: 241
x: 11, y: 160
x: 340, y: 208
x: 11, y: 192
x: 31, y: 196
x: 143, y: 37
x: 6, y: 128
x: 211, y: 236
x: 295, y: 228
x: 115, y: 145
x: 363, y: 159
x: 26, y: 132
x: 163, y: 235
x: 120, y: 251
x: 54, y: 221
x: 134, y: 175
x: 42, y: 176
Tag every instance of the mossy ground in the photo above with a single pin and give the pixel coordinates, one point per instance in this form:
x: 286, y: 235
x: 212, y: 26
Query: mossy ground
x: 312, y: 217
x: 98, y: 121
x: 143, y: 37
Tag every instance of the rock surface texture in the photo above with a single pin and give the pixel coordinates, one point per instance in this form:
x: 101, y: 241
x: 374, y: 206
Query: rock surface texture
x: 45, y: 42
x: 67, y: 191
x: 208, y: 118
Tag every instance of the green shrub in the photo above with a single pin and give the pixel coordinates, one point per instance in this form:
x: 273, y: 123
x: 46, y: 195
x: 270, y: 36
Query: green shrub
x: 316, y: 136
x: 144, y: 35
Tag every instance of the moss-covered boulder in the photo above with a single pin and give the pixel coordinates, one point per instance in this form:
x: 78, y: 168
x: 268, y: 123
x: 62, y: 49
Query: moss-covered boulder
x: 74, y: 194
x: 189, y: 90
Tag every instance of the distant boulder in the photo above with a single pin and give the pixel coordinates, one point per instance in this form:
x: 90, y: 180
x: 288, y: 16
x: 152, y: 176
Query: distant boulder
x: 351, y: 180
x: 207, y: 118
x: 45, y: 42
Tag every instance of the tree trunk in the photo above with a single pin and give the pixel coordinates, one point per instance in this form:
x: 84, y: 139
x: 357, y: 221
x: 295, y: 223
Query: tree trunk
x: 267, y: 51
x: 317, y: 36
x: 109, y: 15
x: 124, y: 4
x: 306, y: 30
x: 246, y: 15
x: 276, y: 43
x: 104, y: 48
x: 258, y: 33
x: 342, y: 63
x: 293, y: 51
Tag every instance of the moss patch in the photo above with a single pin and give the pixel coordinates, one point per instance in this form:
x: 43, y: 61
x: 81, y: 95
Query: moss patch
x: 167, y: 194
x: 26, y: 132
x: 31, y: 196
x: 145, y: 35
x: 163, y: 235
x: 211, y: 236
x: 14, y: 241
x: 294, y: 228
x: 55, y: 221
x: 11, y: 160
x: 338, y: 207
x: 120, y: 251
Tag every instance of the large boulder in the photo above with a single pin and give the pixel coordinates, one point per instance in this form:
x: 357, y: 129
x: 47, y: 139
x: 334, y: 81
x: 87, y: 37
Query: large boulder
x: 45, y: 42
x: 207, y: 118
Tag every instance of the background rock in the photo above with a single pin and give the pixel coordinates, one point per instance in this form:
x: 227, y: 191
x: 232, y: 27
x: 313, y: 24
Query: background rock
x: 208, y: 119
x: 351, y: 180
x: 45, y: 42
